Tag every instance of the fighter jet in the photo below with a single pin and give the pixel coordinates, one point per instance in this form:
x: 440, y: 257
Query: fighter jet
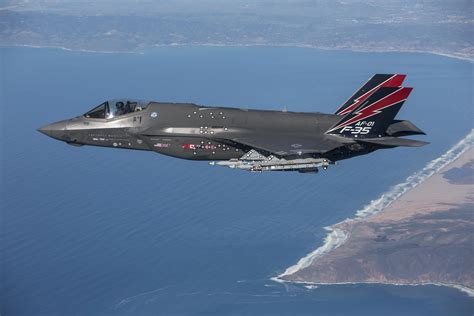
x: 252, y: 140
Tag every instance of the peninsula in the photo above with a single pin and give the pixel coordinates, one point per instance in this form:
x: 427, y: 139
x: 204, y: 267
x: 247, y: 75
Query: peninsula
x: 420, y: 232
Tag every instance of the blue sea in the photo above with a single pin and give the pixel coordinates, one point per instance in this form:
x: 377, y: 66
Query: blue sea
x: 99, y: 231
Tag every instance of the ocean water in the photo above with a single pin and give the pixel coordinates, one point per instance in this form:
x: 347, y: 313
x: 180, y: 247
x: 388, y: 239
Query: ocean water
x: 98, y: 231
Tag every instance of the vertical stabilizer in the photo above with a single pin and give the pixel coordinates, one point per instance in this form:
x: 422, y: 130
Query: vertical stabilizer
x: 377, y: 81
x: 372, y: 117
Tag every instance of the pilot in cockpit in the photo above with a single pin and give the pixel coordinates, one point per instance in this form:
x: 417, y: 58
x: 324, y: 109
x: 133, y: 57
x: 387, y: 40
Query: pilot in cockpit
x: 111, y: 109
x: 128, y: 107
x: 120, y: 109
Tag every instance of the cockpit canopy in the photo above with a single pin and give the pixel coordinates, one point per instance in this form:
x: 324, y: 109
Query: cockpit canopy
x: 113, y: 108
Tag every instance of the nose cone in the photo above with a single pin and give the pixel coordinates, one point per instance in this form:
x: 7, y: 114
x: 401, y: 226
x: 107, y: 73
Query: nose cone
x: 56, y: 130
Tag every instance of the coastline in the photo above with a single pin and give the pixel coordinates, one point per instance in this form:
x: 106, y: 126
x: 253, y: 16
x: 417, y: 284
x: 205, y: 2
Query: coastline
x: 338, y: 233
x: 314, y: 285
x: 353, y: 49
x: 71, y: 49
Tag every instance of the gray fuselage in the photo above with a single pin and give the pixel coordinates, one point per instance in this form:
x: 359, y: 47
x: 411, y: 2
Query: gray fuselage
x: 196, y: 132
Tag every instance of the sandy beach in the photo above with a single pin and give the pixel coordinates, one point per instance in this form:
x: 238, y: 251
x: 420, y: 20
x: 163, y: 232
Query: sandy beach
x: 435, y: 194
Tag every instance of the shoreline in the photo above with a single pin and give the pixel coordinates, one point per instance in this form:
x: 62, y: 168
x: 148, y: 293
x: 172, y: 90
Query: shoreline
x: 311, y: 285
x: 355, y: 50
x: 337, y: 236
x: 70, y: 49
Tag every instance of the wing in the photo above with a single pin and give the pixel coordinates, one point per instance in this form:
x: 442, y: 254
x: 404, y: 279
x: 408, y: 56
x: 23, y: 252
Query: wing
x: 287, y: 145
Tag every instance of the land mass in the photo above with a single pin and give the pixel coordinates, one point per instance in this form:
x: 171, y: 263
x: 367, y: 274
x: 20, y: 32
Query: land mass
x: 441, y: 27
x: 424, y: 237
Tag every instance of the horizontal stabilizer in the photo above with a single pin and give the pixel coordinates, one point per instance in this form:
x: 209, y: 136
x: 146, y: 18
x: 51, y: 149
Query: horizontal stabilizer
x: 403, y: 128
x: 393, y: 141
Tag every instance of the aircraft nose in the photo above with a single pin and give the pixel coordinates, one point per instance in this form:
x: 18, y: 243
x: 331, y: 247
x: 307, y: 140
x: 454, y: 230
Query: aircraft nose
x: 55, y: 130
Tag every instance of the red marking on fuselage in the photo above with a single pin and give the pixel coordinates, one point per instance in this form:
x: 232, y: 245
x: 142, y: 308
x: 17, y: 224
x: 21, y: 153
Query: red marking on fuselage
x: 198, y: 146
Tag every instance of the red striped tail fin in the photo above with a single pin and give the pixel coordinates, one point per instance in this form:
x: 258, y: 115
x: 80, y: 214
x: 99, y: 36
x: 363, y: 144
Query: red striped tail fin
x: 372, y: 117
x: 377, y: 81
